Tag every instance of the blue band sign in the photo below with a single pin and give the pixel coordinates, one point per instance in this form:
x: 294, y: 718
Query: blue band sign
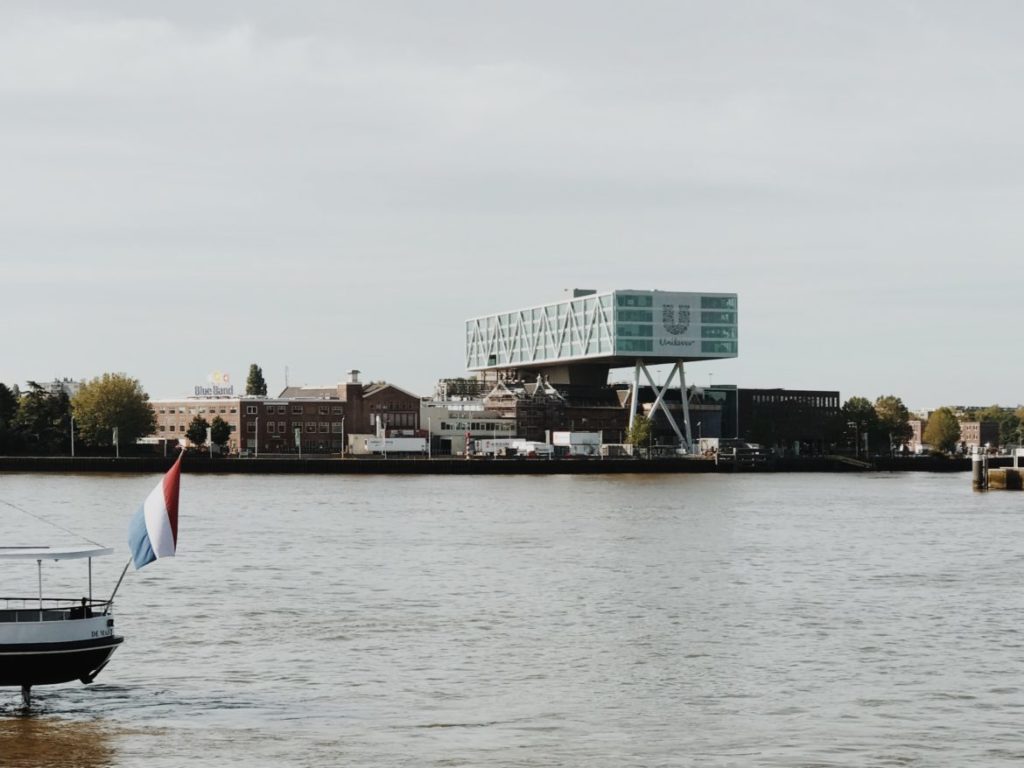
x: 219, y: 386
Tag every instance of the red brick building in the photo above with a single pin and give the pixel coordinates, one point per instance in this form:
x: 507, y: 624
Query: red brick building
x: 975, y: 434
x: 322, y: 417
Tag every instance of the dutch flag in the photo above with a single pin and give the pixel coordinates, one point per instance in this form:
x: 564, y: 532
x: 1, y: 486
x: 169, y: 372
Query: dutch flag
x: 153, y: 531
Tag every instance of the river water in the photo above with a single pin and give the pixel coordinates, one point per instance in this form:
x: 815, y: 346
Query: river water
x: 750, y: 620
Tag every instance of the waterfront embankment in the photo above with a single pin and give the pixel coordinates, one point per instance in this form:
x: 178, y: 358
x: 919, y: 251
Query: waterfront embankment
x: 458, y: 466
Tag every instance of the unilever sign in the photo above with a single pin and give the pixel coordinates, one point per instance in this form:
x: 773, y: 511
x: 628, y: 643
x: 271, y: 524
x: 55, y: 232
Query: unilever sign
x: 219, y: 386
x: 674, y: 325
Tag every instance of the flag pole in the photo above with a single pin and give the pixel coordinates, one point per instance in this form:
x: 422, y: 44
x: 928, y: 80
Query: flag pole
x: 117, y: 587
x: 130, y: 560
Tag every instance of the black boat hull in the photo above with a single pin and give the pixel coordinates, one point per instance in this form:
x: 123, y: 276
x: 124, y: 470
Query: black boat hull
x: 50, y: 663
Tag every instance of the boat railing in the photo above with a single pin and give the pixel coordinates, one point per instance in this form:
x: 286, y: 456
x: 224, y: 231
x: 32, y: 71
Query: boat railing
x: 34, y: 609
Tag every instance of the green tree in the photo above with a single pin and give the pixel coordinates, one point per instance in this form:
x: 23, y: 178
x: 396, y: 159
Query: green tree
x: 1017, y: 432
x: 1009, y: 429
x: 42, y: 424
x: 255, y: 384
x: 196, y: 432
x: 112, y: 400
x: 992, y: 413
x: 861, y: 419
x: 639, y: 434
x: 942, y: 430
x: 8, y: 410
x: 893, y: 421
x: 220, y: 432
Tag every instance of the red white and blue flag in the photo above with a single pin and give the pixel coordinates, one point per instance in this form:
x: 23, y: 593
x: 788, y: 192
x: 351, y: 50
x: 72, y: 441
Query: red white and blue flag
x: 153, y: 531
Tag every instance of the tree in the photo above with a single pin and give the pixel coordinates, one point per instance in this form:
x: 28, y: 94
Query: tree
x: 1017, y: 433
x: 942, y: 430
x: 639, y: 433
x: 196, y: 432
x: 861, y: 418
x: 8, y: 410
x: 255, y: 384
x: 112, y: 400
x: 1009, y: 429
x: 992, y: 413
x: 893, y: 420
x: 43, y: 421
x: 220, y: 432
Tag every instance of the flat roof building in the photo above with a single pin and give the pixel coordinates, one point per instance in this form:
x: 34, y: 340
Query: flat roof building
x: 314, y: 417
x: 611, y: 330
x: 578, y: 340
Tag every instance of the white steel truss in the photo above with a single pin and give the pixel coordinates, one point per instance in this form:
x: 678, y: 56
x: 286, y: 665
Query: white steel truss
x: 572, y: 329
x: 685, y: 435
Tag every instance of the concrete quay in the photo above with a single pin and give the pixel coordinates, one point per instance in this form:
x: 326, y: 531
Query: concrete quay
x: 458, y: 466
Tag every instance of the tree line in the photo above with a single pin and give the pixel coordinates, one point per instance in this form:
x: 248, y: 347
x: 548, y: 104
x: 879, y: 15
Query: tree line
x: 879, y: 427
x: 885, y: 424
x: 41, y: 419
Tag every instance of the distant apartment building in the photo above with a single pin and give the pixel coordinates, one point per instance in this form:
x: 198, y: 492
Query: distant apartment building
x: 64, y: 385
x: 975, y: 434
x: 916, y: 442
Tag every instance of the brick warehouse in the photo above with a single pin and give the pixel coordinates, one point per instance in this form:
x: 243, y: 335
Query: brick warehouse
x: 325, y: 416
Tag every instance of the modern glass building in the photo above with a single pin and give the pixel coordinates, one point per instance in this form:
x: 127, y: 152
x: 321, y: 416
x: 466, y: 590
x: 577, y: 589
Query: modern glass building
x: 615, y: 328
x: 586, y: 335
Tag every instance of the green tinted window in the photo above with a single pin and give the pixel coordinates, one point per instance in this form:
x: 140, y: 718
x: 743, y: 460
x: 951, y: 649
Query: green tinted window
x: 723, y: 318
x: 717, y: 302
x: 635, y: 345
x: 719, y: 332
x: 718, y: 347
x: 634, y: 301
x: 636, y: 315
x: 630, y: 329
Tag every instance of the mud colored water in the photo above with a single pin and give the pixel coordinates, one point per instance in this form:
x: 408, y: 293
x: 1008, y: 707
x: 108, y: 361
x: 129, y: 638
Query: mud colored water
x: 781, y: 620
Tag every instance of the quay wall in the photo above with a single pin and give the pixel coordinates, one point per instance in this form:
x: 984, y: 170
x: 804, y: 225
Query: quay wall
x: 453, y: 466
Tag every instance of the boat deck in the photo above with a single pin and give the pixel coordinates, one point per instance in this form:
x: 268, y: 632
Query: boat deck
x: 19, y: 610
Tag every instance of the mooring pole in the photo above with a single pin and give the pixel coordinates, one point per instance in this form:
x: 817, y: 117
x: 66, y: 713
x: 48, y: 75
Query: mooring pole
x: 979, y: 475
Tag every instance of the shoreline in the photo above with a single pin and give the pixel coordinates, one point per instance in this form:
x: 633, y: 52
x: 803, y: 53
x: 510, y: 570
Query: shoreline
x: 460, y: 466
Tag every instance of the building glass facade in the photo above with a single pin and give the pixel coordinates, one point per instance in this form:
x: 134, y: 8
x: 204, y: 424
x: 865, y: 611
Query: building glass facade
x: 604, y: 326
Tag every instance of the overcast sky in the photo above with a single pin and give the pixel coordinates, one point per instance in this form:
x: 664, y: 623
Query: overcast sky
x: 192, y: 186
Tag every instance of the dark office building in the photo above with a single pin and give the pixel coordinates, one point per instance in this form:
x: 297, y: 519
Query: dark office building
x: 790, y: 421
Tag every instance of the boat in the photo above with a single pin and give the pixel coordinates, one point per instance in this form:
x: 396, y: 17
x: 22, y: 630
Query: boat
x: 50, y: 640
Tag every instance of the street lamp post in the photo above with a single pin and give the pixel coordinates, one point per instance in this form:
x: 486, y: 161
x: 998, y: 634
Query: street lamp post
x: 257, y: 437
x: 343, y: 436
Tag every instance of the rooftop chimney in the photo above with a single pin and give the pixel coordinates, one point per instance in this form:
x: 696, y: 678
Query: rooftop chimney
x: 353, y: 376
